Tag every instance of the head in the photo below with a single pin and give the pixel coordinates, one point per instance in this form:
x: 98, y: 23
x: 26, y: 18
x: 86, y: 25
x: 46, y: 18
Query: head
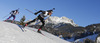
x: 50, y: 12
x: 17, y: 10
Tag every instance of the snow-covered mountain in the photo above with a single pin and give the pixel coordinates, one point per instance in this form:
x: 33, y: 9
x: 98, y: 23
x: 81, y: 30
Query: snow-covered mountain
x: 56, y: 20
x: 11, y: 33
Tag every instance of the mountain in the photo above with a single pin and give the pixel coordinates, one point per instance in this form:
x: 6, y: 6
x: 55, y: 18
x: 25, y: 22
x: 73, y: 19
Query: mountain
x: 11, y: 33
x: 91, y: 38
x: 94, y: 28
x: 57, y: 20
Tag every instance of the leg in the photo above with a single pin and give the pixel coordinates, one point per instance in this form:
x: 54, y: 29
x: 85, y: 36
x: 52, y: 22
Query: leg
x: 30, y: 22
x: 43, y: 23
x: 8, y: 18
x: 13, y: 18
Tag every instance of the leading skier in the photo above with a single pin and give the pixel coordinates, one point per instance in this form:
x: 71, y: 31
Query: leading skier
x: 41, y: 17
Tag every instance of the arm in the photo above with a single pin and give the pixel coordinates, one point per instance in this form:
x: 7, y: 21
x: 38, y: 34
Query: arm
x: 11, y: 12
x: 39, y: 12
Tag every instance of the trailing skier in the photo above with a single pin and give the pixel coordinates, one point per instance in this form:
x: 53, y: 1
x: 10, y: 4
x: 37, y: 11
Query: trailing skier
x: 13, y: 14
x: 41, y: 17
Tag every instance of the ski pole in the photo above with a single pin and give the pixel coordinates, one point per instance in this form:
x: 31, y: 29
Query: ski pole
x: 6, y: 16
x: 29, y: 11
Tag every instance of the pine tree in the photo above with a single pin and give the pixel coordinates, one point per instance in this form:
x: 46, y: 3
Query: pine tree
x: 22, y: 20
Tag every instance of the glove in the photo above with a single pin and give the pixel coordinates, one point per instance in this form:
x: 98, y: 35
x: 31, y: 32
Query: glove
x: 35, y: 13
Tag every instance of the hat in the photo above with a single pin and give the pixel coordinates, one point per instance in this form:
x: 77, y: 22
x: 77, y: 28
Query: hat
x: 17, y: 9
x: 49, y: 10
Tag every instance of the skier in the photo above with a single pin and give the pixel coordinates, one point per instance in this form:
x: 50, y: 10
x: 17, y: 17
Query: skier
x: 41, y: 17
x: 13, y: 13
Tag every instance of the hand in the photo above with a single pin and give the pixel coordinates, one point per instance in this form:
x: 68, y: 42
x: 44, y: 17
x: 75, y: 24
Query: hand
x: 35, y: 13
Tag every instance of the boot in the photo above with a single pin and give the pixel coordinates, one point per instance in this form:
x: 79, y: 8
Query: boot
x: 25, y: 25
x: 12, y: 21
x: 39, y: 31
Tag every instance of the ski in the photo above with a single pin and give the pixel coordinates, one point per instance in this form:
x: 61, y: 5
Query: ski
x: 21, y: 27
x: 39, y: 33
x: 6, y: 15
x: 23, y: 30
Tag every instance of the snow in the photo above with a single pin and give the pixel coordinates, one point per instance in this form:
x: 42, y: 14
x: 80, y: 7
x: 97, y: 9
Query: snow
x: 11, y: 33
x: 98, y: 40
x: 50, y: 36
x: 56, y: 20
x: 92, y: 37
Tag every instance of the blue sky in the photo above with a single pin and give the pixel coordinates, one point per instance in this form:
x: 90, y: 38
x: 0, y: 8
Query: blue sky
x: 82, y: 12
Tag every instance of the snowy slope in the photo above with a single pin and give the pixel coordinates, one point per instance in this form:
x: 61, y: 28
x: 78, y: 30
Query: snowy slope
x: 11, y: 33
x: 92, y: 37
x: 98, y: 40
x: 48, y: 35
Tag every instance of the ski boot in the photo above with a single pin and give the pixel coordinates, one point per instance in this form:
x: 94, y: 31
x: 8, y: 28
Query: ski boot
x: 39, y: 31
x: 25, y: 25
